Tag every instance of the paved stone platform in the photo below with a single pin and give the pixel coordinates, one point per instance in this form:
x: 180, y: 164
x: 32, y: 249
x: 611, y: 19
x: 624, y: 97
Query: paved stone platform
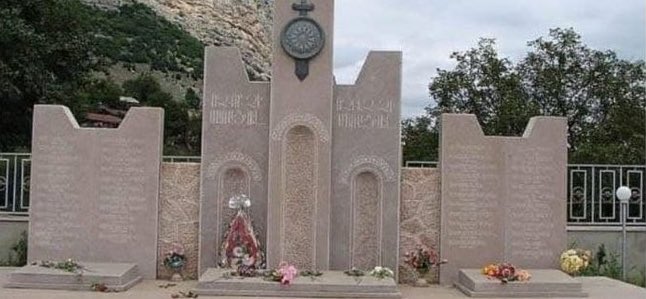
x: 544, y: 283
x: 597, y: 287
x: 115, y: 276
x: 332, y: 284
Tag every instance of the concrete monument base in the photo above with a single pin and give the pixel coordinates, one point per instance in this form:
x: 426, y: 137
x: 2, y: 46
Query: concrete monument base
x: 332, y: 284
x: 543, y: 284
x: 116, y: 277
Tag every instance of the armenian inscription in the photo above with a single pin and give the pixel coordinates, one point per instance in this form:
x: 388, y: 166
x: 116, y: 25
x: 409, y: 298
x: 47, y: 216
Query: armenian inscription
x: 472, y: 212
x: 363, y: 113
x: 237, y: 109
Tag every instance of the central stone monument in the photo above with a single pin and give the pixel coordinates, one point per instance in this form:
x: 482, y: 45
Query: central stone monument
x: 319, y: 160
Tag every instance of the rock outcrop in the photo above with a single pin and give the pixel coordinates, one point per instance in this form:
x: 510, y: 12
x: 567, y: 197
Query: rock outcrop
x: 245, y: 24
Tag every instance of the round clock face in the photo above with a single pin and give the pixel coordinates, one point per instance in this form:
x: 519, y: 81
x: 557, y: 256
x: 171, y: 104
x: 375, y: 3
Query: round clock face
x: 303, y: 38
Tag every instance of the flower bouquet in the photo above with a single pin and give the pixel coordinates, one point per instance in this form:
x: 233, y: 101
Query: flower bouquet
x: 285, y: 274
x: 506, y: 272
x: 423, y: 259
x: 382, y: 272
x: 574, y: 261
x: 175, y: 261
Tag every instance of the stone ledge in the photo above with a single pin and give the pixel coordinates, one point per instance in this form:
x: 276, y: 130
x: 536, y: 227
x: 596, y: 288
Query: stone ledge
x: 332, y: 284
x: 117, y: 277
x: 544, y: 284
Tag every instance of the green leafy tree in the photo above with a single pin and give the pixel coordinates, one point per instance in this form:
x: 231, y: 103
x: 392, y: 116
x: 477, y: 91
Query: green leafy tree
x: 181, y: 131
x: 44, y: 57
x: 420, y: 139
x: 601, y: 95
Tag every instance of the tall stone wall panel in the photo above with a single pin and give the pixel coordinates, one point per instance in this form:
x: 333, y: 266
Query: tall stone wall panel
x: 503, y: 198
x: 235, y: 130
x: 95, y: 192
x: 365, y: 168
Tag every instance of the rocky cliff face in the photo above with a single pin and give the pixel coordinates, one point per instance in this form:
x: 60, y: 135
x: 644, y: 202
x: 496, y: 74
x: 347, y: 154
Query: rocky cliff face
x: 245, y: 24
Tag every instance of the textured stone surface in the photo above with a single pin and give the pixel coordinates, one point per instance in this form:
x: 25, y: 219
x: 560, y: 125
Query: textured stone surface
x: 235, y: 134
x: 297, y: 228
x: 366, y: 227
x: 366, y: 119
x: 502, y: 197
x: 544, y: 283
x: 94, y: 194
x: 178, y: 215
x: 115, y: 276
x: 332, y: 284
x: 295, y: 104
x: 420, y: 217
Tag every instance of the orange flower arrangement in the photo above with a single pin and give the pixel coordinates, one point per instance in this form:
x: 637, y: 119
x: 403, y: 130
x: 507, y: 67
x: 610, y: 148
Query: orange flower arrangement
x: 506, y: 272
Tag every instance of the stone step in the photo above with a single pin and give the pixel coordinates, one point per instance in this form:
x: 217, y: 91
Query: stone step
x: 116, y: 276
x: 332, y: 284
x: 544, y: 283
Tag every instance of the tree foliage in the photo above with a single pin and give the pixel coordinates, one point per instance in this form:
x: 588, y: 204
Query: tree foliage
x: 181, y: 128
x: 44, y: 58
x: 601, y: 95
x: 50, y: 48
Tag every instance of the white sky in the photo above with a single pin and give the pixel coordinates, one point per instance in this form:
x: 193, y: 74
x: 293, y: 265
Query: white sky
x: 427, y: 31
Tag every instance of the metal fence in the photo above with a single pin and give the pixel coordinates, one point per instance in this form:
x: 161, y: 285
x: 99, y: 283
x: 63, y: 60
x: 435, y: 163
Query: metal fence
x: 14, y: 183
x: 591, y: 198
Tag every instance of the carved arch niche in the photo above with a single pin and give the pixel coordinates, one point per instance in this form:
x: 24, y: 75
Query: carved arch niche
x: 299, y: 201
x: 366, y: 224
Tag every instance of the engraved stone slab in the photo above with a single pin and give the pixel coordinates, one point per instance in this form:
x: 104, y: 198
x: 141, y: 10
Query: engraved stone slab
x: 94, y: 192
x: 117, y: 277
x: 502, y: 197
x: 235, y: 134
x: 543, y: 284
x: 330, y: 285
x: 364, y: 230
x: 179, y: 215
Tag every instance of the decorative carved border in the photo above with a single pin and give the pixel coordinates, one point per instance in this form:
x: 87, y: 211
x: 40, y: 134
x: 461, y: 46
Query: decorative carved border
x: 308, y: 120
x: 375, y: 163
x: 235, y: 157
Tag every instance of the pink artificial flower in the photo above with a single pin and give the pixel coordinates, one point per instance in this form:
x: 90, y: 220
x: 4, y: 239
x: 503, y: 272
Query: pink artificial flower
x: 288, y: 272
x: 177, y: 249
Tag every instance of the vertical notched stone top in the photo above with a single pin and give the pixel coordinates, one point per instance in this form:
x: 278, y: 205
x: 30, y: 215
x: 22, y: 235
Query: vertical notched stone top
x: 539, y: 127
x: 59, y: 117
x: 224, y: 66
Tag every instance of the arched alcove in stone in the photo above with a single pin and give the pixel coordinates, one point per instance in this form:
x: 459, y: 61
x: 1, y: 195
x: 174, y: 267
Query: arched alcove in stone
x: 366, y: 220
x: 299, y: 171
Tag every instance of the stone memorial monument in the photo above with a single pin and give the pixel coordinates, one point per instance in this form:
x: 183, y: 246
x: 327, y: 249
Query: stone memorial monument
x: 319, y: 160
x: 503, y: 198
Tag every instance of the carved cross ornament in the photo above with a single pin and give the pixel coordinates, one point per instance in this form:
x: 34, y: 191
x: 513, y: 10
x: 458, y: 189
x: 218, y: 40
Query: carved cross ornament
x: 302, y: 38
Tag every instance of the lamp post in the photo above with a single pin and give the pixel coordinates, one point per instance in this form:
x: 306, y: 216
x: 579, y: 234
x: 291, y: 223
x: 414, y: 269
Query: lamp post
x: 623, y: 194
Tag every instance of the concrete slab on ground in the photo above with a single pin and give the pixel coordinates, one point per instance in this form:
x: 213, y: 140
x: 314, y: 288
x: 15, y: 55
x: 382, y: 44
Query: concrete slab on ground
x: 544, y: 283
x: 332, y: 284
x: 597, y: 287
x: 115, y: 276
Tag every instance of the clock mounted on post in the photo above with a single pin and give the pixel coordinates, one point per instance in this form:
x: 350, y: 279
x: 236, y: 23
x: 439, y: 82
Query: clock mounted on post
x: 302, y: 38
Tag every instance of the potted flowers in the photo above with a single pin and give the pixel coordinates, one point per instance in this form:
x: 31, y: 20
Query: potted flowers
x: 175, y: 261
x: 422, y: 259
